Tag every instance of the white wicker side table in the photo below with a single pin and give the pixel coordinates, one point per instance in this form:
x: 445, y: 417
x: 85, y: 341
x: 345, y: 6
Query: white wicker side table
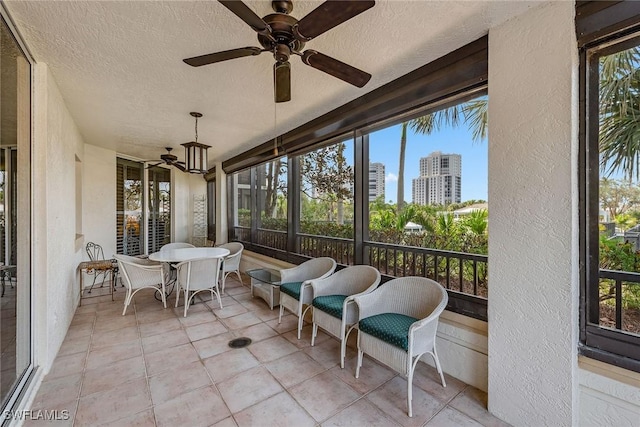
x: 265, y: 283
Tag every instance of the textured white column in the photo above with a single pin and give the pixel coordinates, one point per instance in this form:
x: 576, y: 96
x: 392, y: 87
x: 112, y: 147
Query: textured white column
x: 533, y: 287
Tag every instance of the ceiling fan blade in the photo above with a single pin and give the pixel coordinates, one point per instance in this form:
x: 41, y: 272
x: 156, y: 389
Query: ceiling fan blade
x: 282, y: 81
x: 336, y: 68
x: 179, y: 166
x: 328, y: 15
x: 225, y: 55
x: 153, y: 166
x: 243, y: 12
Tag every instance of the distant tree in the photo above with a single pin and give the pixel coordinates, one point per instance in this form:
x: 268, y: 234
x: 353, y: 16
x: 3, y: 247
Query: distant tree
x: 617, y: 196
x: 132, y: 195
x: 275, y: 186
x: 328, y: 177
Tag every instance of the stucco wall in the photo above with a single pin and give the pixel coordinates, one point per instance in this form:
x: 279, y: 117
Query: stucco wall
x: 57, y: 142
x: 533, y: 62
x: 99, y: 198
x: 608, y: 395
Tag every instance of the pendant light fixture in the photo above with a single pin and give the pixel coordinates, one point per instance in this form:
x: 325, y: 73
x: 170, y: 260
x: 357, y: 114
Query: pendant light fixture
x: 195, y: 153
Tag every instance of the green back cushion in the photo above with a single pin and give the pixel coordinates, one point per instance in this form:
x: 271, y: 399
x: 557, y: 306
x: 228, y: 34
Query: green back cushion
x: 392, y: 328
x: 330, y: 304
x: 292, y: 289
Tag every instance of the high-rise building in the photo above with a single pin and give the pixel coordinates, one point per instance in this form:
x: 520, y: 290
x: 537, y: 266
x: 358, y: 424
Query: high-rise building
x: 376, y: 181
x: 440, y: 180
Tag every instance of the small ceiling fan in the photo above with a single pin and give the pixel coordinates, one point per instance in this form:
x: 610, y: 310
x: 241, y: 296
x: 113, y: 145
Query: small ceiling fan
x: 169, y: 159
x: 284, y: 35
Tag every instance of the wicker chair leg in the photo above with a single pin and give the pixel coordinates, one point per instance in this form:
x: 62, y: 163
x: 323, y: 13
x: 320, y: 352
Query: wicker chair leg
x: 314, y: 332
x: 438, y: 367
x: 409, y: 394
x: 224, y: 280
x: 218, y: 296
x: 127, y: 301
x: 302, y: 312
x: 187, y: 301
x: 164, y: 297
x: 359, y: 364
x: 343, y: 345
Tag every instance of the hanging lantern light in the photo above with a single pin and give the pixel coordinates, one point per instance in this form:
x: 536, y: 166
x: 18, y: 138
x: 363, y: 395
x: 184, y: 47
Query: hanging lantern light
x: 195, y: 153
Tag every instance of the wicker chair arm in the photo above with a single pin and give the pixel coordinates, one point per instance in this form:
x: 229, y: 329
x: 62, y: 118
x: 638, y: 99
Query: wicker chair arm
x: 423, y: 332
x: 293, y: 274
x: 422, y: 335
x: 316, y: 268
x: 370, y: 304
x: 326, y: 286
x: 232, y: 262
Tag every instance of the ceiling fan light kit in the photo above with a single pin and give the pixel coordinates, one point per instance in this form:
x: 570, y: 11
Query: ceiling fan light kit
x: 283, y: 35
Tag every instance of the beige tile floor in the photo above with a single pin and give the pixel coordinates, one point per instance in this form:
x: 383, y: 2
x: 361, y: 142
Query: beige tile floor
x: 154, y: 367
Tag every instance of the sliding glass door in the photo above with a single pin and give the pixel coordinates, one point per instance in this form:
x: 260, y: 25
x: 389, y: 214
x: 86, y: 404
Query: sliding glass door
x: 15, y: 217
x: 159, y: 208
x: 129, y: 212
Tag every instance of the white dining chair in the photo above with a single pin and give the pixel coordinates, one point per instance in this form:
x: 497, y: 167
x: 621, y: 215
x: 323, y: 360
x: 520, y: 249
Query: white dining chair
x: 176, y: 245
x: 141, y: 274
x: 195, y: 276
x: 231, y: 262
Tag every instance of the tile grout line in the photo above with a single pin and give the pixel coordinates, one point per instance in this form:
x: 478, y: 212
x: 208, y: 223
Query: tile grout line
x: 446, y: 404
x: 144, y: 364
x: 84, y: 366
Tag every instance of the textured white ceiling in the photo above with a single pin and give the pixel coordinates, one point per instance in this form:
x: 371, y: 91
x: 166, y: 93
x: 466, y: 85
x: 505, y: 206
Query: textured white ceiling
x: 119, y: 65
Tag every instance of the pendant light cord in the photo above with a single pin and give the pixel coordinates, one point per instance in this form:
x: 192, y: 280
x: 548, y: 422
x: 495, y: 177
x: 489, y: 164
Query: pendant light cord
x: 275, y: 128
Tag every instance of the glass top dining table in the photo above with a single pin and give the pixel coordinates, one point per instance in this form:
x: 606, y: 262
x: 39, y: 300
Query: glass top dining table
x: 186, y: 254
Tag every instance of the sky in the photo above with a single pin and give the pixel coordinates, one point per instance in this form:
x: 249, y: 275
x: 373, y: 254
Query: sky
x: 384, y: 147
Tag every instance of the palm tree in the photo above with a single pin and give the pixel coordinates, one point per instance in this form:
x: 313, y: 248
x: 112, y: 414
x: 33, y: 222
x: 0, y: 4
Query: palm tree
x: 619, y: 104
x: 403, y: 149
x: 473, y: 113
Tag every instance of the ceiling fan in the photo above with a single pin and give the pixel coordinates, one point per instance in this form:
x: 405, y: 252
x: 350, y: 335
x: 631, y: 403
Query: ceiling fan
x: 168, y: 159
x: 284, y: 35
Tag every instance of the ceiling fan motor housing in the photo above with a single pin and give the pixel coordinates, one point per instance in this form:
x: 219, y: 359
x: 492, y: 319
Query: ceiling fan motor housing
x: 282, y: 31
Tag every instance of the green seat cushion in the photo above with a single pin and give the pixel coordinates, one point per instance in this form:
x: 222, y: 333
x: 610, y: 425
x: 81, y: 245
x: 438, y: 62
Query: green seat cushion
x: 292, y: 289
x: 330, y: 304
x: 392, y: 328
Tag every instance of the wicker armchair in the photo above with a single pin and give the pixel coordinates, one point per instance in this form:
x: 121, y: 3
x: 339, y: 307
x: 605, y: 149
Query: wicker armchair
x: 231, y: 262
x: 141, y: 274
x: 198, y: 275
x: 333, y: 307
x: 176, y: 245
x: 398, y: 323
x: 295, y: 291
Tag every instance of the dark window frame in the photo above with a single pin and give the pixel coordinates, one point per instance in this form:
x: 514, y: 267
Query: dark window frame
x: 451, y: 79
x: 602, y: 28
